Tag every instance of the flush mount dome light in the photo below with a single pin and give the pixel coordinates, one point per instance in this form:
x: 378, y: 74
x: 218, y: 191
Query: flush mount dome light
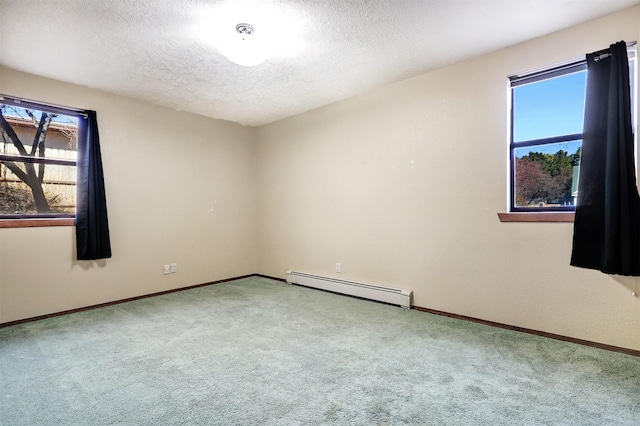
x: 243, y: 47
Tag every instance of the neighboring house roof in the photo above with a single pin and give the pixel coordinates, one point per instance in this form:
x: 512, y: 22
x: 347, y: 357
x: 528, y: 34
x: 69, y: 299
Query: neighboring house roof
x: 59, y: 135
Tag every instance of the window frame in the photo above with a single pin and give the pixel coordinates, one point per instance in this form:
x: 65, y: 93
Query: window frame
x: 46, y: 219
x: 530, y: 78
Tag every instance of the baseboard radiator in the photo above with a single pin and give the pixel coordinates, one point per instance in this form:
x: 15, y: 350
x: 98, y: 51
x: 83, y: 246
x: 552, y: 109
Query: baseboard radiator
x: 394, y: 296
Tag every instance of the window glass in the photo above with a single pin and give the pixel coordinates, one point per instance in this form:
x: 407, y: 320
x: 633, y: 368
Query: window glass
x: 547, y: 175
x: 549, y: 108
x: 38, y: 152
x: 546, y: 131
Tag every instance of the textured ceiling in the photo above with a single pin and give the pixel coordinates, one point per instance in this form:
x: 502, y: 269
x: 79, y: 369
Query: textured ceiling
x: 164, y: 51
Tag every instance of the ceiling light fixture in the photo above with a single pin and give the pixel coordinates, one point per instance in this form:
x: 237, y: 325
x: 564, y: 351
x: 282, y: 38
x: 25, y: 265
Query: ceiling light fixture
x: 243, y: 47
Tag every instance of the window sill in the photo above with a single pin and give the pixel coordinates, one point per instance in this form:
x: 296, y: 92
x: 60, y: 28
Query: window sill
x: 31, y: 223
x: 537, y: 217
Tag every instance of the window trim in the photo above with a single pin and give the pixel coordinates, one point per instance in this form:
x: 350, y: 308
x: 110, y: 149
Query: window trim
x: 37, y: 222
x: 537, y: 217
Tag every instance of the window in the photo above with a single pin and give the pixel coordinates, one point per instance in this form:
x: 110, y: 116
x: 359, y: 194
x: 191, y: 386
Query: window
x: 547, y: 111
x: 38, y: 151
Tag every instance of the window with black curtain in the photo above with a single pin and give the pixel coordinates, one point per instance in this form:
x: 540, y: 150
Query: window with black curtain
x: 51, y: 167
x: 546, y: 135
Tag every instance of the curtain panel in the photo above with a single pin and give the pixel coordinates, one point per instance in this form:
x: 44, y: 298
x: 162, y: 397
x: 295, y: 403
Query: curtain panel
x: 606, y: 227
x: 92, y: 227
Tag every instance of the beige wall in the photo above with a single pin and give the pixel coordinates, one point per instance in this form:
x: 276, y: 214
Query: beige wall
x: 180, y: 188
x: 402, y: 186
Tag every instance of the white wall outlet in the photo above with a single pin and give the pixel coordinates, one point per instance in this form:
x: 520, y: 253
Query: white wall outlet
x: 166, y: 269
x: 174, y: 268
x: 338, y: 267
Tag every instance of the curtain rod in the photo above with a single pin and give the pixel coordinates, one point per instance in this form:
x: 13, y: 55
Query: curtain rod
x: 44, y: 105
x: 605, y: 53
x: 565, y: 64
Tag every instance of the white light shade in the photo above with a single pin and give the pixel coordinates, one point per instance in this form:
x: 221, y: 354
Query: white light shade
x: 243, y: 47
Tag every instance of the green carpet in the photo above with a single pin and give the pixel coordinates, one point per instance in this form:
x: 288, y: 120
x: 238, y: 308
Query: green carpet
x: 261, y: 352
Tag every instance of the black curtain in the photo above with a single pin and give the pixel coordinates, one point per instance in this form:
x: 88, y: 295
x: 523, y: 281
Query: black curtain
x: 606, y: 232
x: 92, y: 227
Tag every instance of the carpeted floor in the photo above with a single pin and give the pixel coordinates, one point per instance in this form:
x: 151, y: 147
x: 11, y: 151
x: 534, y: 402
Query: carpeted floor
x: 261, y: 352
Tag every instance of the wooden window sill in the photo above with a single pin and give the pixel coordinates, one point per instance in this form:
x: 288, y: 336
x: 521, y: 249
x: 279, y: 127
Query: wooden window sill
x: 537, y: 217
x: 30, y: 223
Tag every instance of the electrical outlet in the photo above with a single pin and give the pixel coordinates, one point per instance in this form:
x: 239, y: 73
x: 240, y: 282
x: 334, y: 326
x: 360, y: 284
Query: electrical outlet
x: 166, y: 269
x: 338, y: 268
x: 174, y: 268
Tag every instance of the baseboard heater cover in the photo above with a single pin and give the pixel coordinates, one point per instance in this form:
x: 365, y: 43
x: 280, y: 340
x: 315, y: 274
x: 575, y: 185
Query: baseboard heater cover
x: 394, y: 296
